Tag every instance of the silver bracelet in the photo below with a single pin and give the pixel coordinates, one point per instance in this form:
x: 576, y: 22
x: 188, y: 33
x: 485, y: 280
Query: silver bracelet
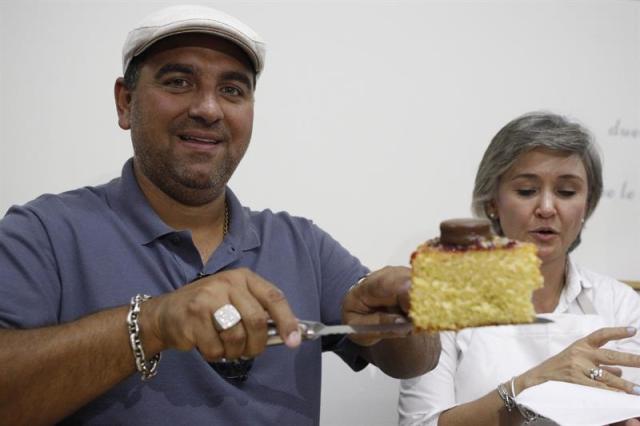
x: 526, y: 414
x: 147, y: 369
x: 509, y: 401
x: 360, y: 280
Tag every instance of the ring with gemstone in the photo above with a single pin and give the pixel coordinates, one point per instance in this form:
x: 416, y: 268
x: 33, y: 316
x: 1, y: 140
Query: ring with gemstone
x: 226, y: 317
x: 595, y: 373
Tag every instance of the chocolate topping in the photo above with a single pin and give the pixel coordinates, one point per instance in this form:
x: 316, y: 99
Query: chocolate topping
x: 464, y: 232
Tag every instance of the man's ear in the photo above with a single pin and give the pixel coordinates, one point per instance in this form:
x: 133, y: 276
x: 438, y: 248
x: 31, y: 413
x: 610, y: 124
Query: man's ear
x: 123, y: 103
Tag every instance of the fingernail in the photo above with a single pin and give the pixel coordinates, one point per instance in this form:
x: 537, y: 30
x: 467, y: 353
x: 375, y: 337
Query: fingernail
x: 636, y: 390
x: 405, y: 285
x: 631, y: 331
x: 400, y: 320
x: 293, y: 339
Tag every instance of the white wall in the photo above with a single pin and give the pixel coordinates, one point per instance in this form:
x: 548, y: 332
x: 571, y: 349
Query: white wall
x: 371, y: 118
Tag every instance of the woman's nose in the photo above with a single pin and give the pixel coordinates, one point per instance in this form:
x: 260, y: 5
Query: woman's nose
x: 546, y: 205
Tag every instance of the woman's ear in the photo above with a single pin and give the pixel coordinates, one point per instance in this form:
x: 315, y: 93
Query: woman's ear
x: 490, y: 210
x: 123, y: 103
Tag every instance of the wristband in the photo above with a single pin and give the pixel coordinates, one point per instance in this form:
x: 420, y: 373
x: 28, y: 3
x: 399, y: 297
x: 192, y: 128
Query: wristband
x: 147, y: 369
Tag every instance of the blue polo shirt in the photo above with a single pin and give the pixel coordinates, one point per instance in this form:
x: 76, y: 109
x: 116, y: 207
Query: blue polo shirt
x: 68, y: 255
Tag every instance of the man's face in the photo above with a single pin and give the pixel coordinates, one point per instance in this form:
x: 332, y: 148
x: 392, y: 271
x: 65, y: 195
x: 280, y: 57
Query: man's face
x: 190, y: 115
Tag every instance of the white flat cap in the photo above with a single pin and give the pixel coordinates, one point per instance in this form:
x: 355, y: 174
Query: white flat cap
x: 193, y: 19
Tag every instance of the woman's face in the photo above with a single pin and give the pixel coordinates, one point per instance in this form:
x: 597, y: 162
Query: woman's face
x: 542, y: 199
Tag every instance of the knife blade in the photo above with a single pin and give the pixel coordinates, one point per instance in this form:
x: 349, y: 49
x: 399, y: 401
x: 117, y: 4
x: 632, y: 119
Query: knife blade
x: 311, y: 330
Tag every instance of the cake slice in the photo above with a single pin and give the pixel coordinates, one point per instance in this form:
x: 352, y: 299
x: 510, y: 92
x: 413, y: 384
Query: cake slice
x: 469, y: 277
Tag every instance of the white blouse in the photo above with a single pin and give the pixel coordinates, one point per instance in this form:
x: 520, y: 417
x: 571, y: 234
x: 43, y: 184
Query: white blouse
x: 475, y: 360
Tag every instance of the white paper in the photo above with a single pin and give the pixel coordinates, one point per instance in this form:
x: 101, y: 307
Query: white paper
x: 571, y: 404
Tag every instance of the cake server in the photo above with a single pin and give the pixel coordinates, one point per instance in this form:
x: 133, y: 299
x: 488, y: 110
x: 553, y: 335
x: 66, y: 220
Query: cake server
x: 312, y: 330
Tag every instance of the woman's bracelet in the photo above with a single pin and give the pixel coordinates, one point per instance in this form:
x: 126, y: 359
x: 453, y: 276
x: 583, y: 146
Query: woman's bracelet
x: 147, y: 369
x: 509, y: 399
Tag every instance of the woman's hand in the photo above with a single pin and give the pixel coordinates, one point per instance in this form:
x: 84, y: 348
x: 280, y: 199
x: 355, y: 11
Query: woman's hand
x: 630, y: 422
x: 575, y: 363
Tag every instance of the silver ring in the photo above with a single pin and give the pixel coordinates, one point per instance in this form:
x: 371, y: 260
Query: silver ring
x: 226, y: 317
x: 596, y: 373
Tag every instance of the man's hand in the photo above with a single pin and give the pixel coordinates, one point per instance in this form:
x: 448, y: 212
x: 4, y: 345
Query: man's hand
x: 183, y: 319
x: 381, y: 298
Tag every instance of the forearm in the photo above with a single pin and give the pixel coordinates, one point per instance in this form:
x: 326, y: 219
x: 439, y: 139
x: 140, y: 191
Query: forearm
x: 489, y: 410
x: 49, y: 373
x: 404, y: 358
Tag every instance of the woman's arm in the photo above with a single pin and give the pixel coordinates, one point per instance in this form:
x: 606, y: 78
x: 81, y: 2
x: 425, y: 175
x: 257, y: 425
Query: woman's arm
x: 430, y: 399
x: 488, y: 410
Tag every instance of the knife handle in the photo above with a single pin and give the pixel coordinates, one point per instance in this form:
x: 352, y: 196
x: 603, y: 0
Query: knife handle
x: 273, y: 338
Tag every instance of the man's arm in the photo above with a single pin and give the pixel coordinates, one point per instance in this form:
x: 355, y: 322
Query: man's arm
x: 48, y: 373
x: 382, y: 298
x: 405, y: 358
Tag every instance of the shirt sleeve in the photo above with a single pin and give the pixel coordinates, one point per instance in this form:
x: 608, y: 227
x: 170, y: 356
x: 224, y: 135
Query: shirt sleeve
x: 29, y: 283
x: 422, y: 399
x: 339, y: 270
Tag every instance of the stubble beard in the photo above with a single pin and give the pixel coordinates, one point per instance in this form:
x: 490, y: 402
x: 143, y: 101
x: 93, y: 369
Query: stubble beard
x: 177, y: 176
x: 183, y: 183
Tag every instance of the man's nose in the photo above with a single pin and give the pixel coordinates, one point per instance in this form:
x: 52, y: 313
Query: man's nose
x: 206, y: 108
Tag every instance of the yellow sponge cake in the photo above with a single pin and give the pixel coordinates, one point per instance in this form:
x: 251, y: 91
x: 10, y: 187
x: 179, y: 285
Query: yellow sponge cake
x: 469, y: 277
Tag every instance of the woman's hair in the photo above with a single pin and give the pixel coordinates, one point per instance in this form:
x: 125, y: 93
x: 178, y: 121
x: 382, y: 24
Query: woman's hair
x: 523, y: 134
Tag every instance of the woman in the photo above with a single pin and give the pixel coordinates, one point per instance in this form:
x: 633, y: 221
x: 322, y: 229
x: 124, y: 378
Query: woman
x: 539, y: 181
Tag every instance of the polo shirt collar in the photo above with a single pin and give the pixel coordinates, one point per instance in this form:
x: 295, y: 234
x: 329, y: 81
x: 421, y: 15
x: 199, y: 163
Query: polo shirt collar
x: 242, y: 232
x: 130, y: 204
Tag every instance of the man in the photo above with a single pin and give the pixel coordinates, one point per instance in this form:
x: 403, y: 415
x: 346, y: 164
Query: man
x: 71, y: 344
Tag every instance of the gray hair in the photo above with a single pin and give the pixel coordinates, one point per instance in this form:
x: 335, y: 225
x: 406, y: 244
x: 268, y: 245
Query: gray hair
x: 523, y: 134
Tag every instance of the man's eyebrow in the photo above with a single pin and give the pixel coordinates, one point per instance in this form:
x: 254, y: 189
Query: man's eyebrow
x: 188, y: 69
x: 169, y: 68
x: 239, y: 77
